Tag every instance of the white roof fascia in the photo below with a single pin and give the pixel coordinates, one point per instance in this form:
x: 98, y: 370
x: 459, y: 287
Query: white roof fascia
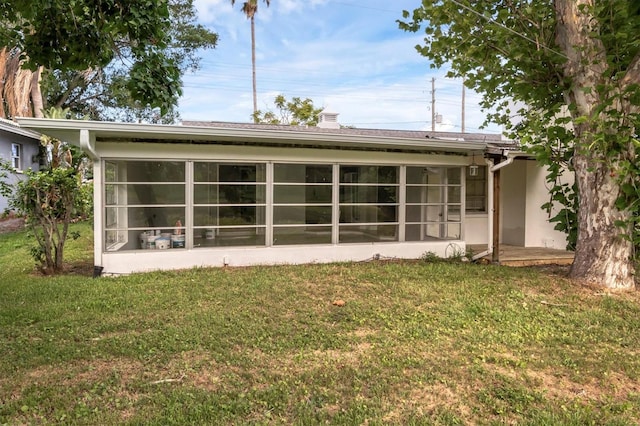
x: 69, y: 131
x: 13, y: 127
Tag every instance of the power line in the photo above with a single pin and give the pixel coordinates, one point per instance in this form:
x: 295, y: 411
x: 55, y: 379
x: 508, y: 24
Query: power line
x: 493, y: 21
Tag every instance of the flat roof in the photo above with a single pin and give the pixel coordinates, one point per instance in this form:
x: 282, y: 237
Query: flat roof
x: 203, y: 132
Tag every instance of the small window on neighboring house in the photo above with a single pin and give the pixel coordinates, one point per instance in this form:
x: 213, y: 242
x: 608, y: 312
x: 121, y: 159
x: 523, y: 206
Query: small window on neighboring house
x: 476, y: 199
x: 16, y: 156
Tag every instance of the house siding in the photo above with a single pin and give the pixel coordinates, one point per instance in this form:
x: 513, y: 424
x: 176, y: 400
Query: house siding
x: 30, y: 150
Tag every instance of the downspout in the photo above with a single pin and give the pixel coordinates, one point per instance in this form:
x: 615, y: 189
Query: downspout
x: 510, y: 157
x: 88, y: 145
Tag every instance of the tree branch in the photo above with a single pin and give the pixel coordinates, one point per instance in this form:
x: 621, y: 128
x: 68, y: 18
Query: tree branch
x: 632, y: 75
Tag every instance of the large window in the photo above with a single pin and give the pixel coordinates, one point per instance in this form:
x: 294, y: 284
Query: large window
x: 193, y: 204
x: 302, y: 203
x: 368, y: 204
x: 433, y: 202
x: 229, y: 204
x: 144, y: 201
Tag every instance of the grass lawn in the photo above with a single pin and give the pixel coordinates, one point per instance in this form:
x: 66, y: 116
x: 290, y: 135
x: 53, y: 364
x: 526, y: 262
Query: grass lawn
x: 415, y: 343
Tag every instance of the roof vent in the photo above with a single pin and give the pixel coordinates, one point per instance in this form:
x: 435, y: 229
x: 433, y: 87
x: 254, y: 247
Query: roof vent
x: 328, y: 120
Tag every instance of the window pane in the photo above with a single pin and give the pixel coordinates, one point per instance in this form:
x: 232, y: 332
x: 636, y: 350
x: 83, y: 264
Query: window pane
x: 146, y: 171
x: 432, y: 232
x: 434, y: 175
x: 425, y: 194
x: 227, y: 237
x: 302, y: 235
x: 445, y: 231
x: 453, y: 213
x: 226, y: 172
x: 425, y: 213
x: 229, y: 194
x: 454, y: 175
x: 368, y: 174
x: 368, y: 194
x: 301, y: 214
x: 476, y: 191
x: 145, y: 217
x: 110, y: 171
x: 303, y: 173
x: 139, y: 194
x: 302, y: 194
x: 114, y: 237
x: 416, y: 194
x: 454, y: 194
x: 115, y: 217
x: 228, y: 216
x: 423, y: 232
x: 368, y: 233
x: 476, y: 203
x: 205, y: 172
x: 416, y: 175
x: 368, y: 214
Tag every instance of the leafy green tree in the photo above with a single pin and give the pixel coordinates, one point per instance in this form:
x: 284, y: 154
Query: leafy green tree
x: 102, y: 93
x: 138, y: 47
x: 49, y: 199
x: 570, y: 69
x: 250, y: 8
x: 295, y: 112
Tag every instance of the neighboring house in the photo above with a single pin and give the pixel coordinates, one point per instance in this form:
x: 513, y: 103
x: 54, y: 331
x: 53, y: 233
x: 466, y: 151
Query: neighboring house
x: 20, y: 147
x: 214, y: 194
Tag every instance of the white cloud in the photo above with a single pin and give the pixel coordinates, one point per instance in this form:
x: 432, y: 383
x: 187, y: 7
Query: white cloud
x: 350, y: 57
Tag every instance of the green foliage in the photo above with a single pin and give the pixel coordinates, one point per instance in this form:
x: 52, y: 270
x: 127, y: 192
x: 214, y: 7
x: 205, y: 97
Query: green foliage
x: 296, y: 112
x: 514, y: 54
x: 49, y: 200
x: 453, y: 254
x: 92, y: 47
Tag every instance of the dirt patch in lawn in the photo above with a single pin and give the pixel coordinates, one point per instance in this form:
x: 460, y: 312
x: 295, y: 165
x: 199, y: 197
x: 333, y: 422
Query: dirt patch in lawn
x: 11, y: 224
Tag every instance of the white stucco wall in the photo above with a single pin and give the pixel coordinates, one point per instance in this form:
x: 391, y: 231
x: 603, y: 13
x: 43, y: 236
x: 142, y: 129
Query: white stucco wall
x: 475, y: 228
x: 522, y: 220
x: 539, y: 231
x: 513, y: 201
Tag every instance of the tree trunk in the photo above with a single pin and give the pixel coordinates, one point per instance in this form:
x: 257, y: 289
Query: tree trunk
x: 36, y: 94
x: 253, y: 64
x: 603, y: 256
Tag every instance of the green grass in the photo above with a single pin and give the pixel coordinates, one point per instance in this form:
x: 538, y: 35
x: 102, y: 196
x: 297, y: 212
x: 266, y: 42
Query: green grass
x: 416, y: 343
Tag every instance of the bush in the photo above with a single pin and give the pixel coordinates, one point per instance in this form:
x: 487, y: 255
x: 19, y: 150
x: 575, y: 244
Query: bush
x: 49, y: 200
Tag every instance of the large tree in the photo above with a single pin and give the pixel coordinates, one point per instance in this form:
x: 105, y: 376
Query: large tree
x: 573, y: 67
x: 250, y: 8
x: 101, y: 56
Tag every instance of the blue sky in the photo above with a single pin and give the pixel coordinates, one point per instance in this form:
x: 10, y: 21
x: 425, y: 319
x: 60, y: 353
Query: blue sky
x: 348, y: 56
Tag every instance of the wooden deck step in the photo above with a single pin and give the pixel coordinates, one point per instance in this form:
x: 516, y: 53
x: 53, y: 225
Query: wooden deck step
x: 529, y: 256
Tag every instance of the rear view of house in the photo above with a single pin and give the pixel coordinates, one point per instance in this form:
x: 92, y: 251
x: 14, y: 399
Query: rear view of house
x: 214, y: 194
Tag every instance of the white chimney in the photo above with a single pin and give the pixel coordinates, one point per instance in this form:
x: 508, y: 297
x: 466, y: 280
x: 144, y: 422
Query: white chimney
x: 328, y: 120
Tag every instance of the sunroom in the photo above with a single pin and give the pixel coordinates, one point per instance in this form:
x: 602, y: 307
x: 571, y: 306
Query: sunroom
x: 219, y: 194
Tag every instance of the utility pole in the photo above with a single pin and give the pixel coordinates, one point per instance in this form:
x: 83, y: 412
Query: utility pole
x: 462, y: 123
x: 433, y: 104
